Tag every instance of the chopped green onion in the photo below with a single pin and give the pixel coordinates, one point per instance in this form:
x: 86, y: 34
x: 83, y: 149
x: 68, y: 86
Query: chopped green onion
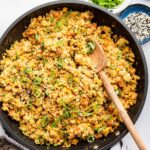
x: 107, y: 3
x: 59, y: 64
x: 16, y: 56
x: 42, y: 45
x: 112, y: 66
x: 62, y: 103
x: 70, y: 79
x: 28, y: 70
x: 47, y: 93
x: 59, y: 24
x: 45, y: 121
x: 55, y: 145
x: 81, y: 92
x: 45, y: 61
x: 36, y: 37
x: 118, y: 92
x: 54, y: 124
x: 91, y: 47
x: 39, y: 58
x: 90, y: 139
x: 29, y: 104
x: 14, y: 79
x: 52, y: 19
x: 88, y: 114
x: 24, y: 79
x: 66, y: 114
x: 60, y: 43
x: 98, y: 130
x: 4, y: 94
x: 37, y: 93
x: 67, y: 13
x: 119, y: 55
x: 37, y: 81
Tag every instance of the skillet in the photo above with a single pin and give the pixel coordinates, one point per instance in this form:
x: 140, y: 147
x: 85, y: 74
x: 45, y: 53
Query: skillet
x: 102, y: 17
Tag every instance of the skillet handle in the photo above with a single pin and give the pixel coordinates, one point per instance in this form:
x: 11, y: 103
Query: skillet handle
x: 123, y: 113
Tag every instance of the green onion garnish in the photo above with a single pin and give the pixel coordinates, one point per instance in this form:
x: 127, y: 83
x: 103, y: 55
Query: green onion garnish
x: 45, y: 121
x: 37, y: 81
x: 28, y: 70
x: 91, y: 47
x: 90, y: 139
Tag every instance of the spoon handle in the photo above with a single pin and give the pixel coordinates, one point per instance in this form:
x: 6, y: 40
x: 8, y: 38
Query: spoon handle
x: 123, y: 113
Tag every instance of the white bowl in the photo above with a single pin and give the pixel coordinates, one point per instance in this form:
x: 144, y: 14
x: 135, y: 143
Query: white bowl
x: 121, y: 7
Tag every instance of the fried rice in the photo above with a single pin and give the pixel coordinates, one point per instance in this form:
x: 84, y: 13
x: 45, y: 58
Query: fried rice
x: 50, y: 87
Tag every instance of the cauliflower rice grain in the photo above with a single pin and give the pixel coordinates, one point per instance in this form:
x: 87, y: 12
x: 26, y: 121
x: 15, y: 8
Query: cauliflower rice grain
x: 48, y: 83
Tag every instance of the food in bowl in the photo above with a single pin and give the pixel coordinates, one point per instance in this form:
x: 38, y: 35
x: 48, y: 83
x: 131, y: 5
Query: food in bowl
x: 139, y: 23
x: 49, y: 85
x: 108, y: 3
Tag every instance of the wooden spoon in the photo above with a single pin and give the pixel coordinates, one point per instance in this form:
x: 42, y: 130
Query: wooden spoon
x: 99, y: 61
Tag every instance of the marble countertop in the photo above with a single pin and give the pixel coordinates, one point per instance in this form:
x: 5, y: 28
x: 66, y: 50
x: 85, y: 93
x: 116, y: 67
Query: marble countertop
x: 12, y: 9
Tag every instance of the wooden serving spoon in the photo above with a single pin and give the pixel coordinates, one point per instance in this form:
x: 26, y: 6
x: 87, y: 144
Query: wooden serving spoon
x: 99, y: 61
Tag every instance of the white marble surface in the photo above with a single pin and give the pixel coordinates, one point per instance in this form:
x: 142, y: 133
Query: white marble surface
x: 12, y: 9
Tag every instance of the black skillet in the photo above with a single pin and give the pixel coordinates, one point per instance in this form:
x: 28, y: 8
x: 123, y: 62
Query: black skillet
x: 102, y: 17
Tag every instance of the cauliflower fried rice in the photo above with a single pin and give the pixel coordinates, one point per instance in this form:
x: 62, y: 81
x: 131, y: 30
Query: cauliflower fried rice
x: 49, y: 85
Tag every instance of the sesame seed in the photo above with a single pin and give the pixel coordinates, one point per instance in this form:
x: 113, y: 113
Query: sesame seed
x: 139, y: 23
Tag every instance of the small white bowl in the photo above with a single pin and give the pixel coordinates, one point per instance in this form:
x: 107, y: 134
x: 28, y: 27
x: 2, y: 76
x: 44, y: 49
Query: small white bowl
x: 118, y: 8
x: 121, y: 7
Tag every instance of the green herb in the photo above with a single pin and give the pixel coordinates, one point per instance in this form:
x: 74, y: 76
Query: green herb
x: 37, y: 81
x: 66, y: 114
x: 52, y: 76
x: 47, y: 93
x: 55, y: 145
x: 112, y: 66
x: 127, y: 57
x: 90, y: 139
x: 28, y: 70
x: 14, y: 79
x: 119, y: 55
x: 45, y: 61
x: 29, y: 104
x: 70, y: 79
x: 81, y: 92
x: 59, y: 63
x: 32, y: 51
x: 16, y: 56
x: 60, y: 43
x: 24, y: 79
x: 36, y: 37
x: 107, y: 3
x: 4, y: 94
x: 45, y: 121
x: 37, y: 93
x: 42, y: 45
x: 54, y: 124
x: 67, y: 13
x: 39, y: 57
x: 118, y: 92
x: 52, y: 19
x: 87, y: 114
x: 58, y: 25
x: 63, y: 21
x: 91, y: 47
x: 98, y: 130
x: 62, y: 103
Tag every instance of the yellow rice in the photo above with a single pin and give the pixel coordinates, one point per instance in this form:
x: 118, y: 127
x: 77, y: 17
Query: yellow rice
x: 49, y: 85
